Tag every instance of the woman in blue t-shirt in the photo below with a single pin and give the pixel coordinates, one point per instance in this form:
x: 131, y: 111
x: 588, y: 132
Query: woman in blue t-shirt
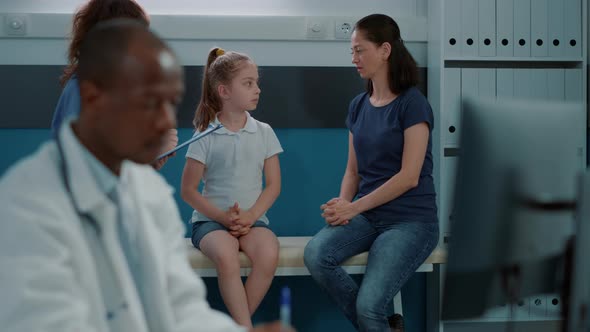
x: 389, y: 171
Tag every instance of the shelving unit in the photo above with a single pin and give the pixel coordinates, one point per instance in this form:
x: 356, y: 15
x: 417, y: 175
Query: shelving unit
x: 533, y: 49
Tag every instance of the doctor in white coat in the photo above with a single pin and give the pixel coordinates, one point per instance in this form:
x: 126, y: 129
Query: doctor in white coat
x: 90, y: 236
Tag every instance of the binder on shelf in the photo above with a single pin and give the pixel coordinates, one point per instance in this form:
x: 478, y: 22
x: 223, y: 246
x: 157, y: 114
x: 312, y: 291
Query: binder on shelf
x: 522, y: 83
x: 452, y: 24
x: 556, y: 84
x: 452, y: 105
x: 573, y: 28
x: 555, y: 25
x: 487, y: 27
x: 539, y: 84
x: 487, y: 82
x: 522, y: 28
x: 505, y: 28
x: 573, y: 84
x: 469, y: 82
x: 504, y: 83
x: 469, y: 28
x: 539, y: 22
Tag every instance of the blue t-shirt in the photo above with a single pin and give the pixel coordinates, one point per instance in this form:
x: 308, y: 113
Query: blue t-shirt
x: 67, y: 105
x: 378, y: 139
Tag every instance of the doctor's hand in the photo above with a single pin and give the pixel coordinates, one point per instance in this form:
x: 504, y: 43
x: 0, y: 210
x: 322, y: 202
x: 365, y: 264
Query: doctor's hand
x: 272, y: 327
x: 338, y: 211
x: 159, y: 163
x: 170, y: 142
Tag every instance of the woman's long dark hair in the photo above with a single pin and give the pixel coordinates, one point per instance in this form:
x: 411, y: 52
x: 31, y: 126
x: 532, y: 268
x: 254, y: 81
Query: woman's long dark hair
x: 88, y: 16
x: 403, y: 70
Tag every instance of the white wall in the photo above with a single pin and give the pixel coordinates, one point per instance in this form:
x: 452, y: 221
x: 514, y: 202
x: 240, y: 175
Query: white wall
x: 273, y: 32
x: 238, y: 7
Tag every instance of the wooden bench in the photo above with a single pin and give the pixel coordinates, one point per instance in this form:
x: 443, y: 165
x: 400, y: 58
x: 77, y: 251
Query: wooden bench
x: 291, y: 262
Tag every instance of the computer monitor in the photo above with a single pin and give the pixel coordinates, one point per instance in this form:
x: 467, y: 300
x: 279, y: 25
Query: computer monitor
x: 578, y: 301
x: 513, y: 203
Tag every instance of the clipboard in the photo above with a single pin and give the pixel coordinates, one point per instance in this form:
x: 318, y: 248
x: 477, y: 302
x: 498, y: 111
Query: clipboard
x: 191, y: 140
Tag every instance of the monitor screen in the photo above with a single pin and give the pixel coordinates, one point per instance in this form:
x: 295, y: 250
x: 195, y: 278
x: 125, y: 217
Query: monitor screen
x: 515, y: 183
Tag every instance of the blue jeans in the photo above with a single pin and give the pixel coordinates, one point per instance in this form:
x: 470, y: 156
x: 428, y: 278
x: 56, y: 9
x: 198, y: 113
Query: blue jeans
x: 396, y: 250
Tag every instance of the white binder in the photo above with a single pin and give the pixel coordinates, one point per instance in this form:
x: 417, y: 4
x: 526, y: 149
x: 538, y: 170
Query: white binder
x: 573, y: 28
x: 487, y: 28
x: 556, y: 84
x: 555, y: 25
x: 573, y: 84
x: 539, y: 22
x: 539, y: 83
x: 487, y: 82
x: 522, y: 28
x: 505, y: 28
x: 452, y: 25
x: 469, y: 28
x: 469, y: 83
x: 504, y: 83
x: 522, y: 83
x: 452, y: 105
